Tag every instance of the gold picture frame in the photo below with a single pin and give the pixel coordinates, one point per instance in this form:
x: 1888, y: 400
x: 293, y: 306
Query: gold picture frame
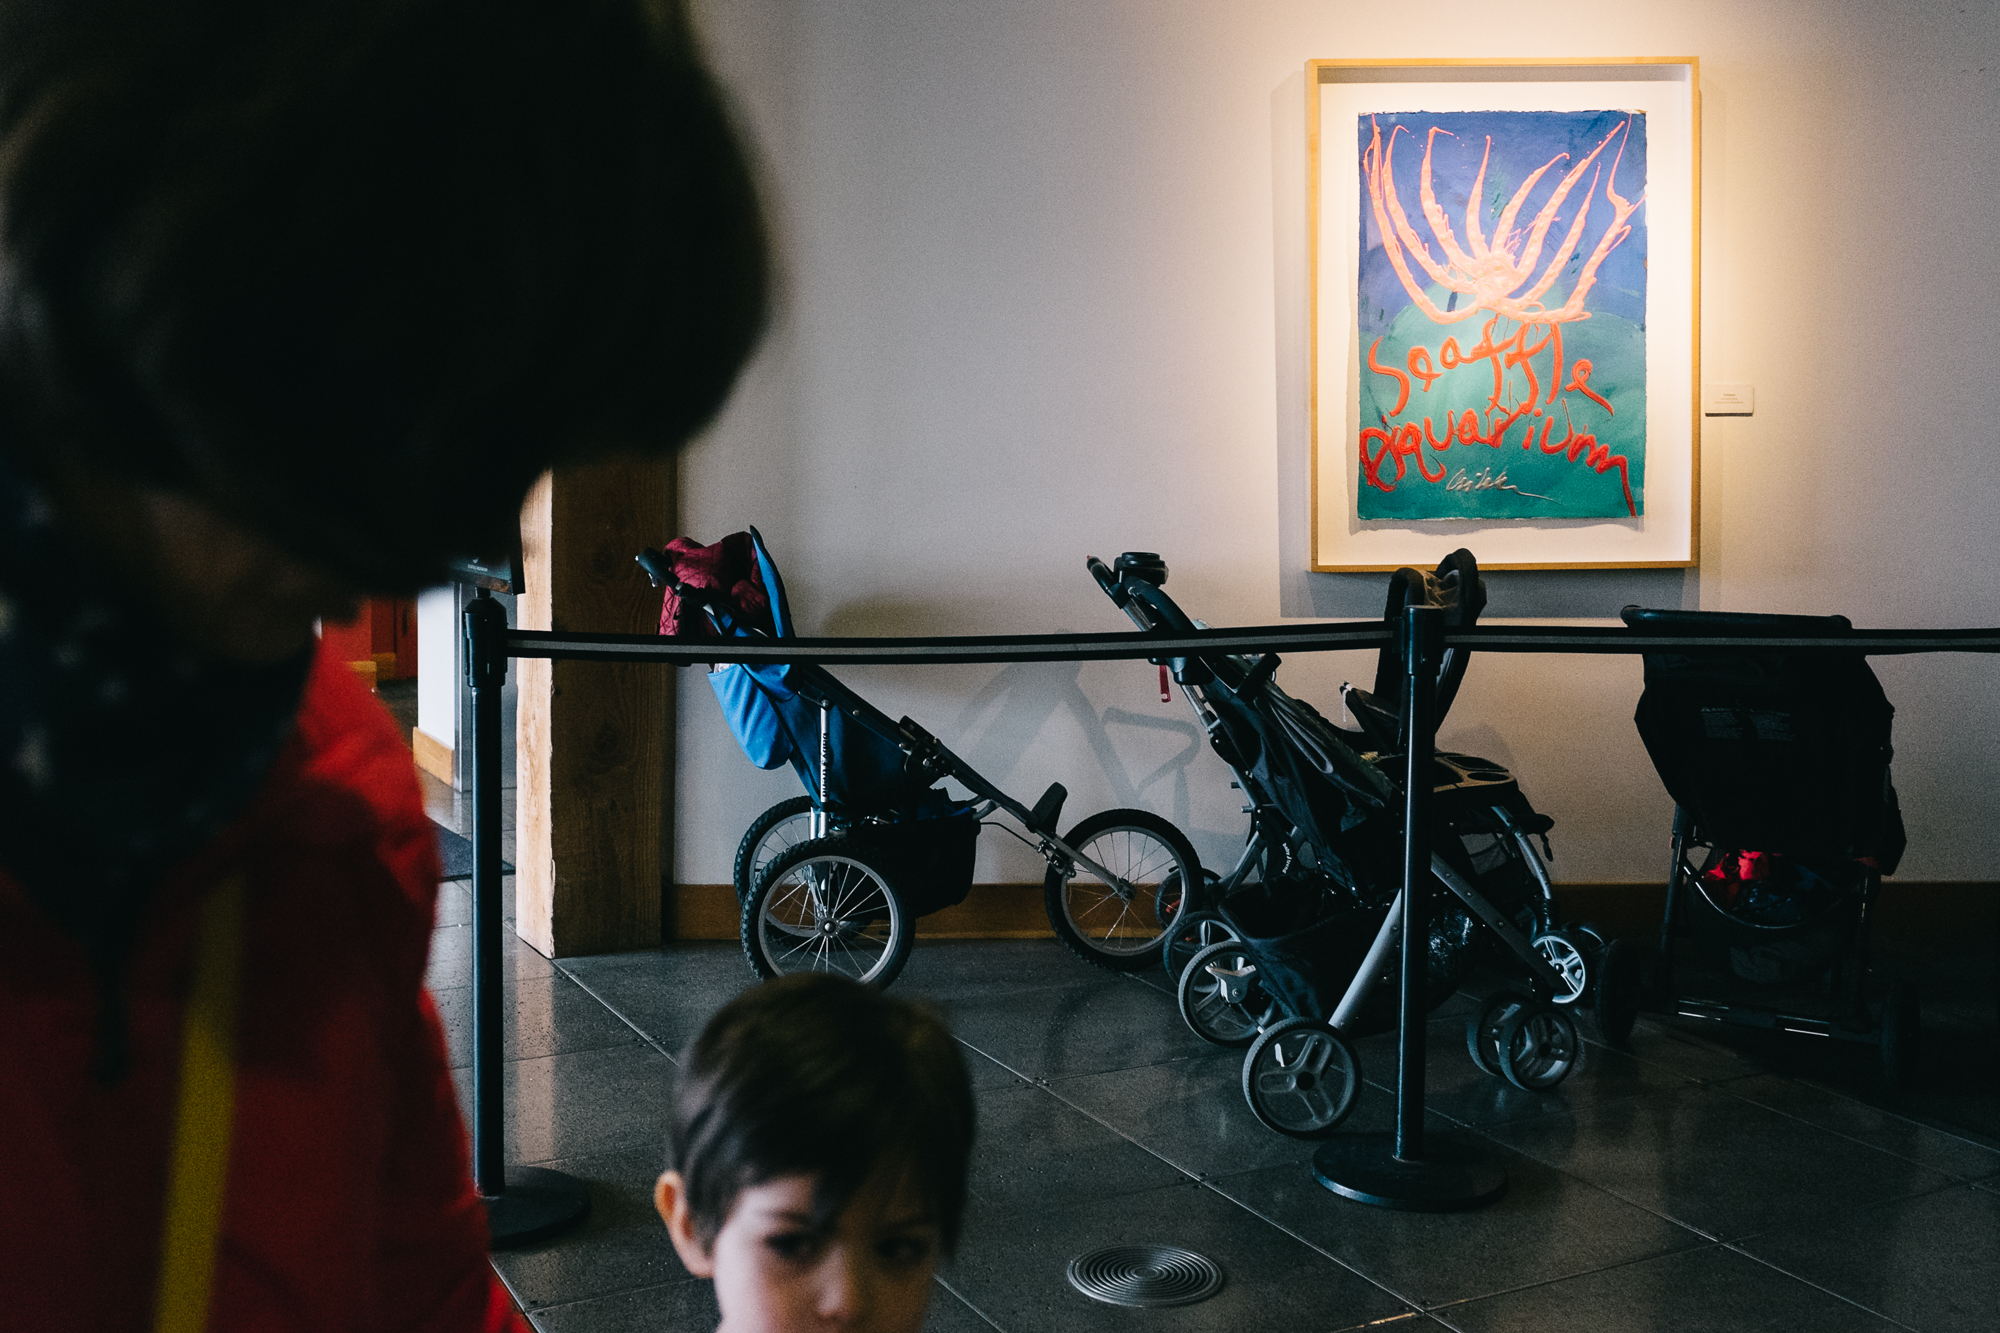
x: 1663, y: 528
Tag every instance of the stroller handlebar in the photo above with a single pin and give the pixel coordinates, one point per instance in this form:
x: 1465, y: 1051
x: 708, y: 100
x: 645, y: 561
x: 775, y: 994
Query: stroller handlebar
x: 1107, y: 580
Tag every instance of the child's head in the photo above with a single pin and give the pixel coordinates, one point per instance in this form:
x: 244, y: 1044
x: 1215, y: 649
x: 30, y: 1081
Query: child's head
x: 819, y: 1144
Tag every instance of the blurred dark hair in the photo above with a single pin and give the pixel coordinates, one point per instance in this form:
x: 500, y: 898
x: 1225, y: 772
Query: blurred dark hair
x: 817, y: 1075
x: 356, y: 271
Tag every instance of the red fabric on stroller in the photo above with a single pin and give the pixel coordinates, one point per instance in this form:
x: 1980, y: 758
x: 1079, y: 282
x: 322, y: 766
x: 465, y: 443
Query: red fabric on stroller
x: 727, y: 569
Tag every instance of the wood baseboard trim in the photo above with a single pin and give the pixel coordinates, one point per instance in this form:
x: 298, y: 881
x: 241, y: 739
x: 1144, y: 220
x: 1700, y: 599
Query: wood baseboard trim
x: 1919, y: 912
x: 433, y: 755
x: 989, y: 912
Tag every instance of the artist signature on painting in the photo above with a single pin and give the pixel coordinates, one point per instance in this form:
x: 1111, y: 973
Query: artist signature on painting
x: 1486, y: 481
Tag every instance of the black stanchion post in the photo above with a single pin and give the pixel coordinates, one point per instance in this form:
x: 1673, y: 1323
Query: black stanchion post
x: 1399, y: 1170
x: 534, y: 1203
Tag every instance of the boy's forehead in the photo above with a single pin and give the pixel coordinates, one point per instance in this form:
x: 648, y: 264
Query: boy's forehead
x: 892, y: 1195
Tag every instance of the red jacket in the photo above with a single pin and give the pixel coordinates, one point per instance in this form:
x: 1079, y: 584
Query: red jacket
x: 349, y: 1202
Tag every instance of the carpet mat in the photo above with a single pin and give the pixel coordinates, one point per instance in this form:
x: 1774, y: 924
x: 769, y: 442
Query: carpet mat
x: 455, y: 855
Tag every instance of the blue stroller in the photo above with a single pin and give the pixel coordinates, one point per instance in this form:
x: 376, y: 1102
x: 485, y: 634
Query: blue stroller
x: 833, y: 881
x: 1297, y: 952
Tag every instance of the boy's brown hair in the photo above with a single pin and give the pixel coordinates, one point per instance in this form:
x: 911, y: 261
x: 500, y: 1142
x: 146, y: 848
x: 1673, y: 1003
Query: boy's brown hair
x: 820, y: 1076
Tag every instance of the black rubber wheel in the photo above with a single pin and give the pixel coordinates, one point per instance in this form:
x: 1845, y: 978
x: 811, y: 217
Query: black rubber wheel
x: 1204, y: 997
x: 1301, y: 1078
x: 1192, y: 933
x: 771, y: 834
x: 1902, y: 1035
x: 1620, y: 981
x: 1538, y: 1047
x: 1482, y: 1030
x: 1117, y: 925
x: 821, y: 907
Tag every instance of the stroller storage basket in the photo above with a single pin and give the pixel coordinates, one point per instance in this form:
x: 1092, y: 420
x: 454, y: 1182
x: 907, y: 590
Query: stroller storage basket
x: 928, y: 860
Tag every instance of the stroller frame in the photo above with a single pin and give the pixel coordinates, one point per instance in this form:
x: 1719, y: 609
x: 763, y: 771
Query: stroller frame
x: 1464, y: 791
x: 1636, y: 978
x: 926, y: 762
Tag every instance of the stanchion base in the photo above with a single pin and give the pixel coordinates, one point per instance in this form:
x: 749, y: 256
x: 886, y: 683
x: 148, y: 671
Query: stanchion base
x: 538, y: 1204
x: 1450, y: 1178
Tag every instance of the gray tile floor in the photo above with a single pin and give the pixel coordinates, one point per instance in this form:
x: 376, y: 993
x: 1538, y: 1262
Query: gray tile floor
x: 1687, y: 1182
x: 1677, y: 1185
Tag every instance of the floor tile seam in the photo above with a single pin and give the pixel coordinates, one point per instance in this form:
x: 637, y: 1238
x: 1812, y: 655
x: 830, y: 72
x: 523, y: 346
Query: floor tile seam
x: 1434, y: 1310
x: 1853, y: 1138
x: 966, y: 1301
x: 601, y: 1295
x: 985, y: 1055
x: 1706, y: 1244
x: 1201, y: 1181
x: 1845, y: 1300
x: 1708, y: 1237
x: 1414, y: 1306
x: 1818, y: 1219
x: 644, y: 1036
x: 505, y: 1061
x: 1974, y: 1137
x: 1048, y: 1087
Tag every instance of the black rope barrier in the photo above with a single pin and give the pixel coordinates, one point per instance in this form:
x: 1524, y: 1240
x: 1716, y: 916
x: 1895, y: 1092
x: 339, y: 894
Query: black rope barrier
x: 1400, y: 1171
x: 1342, y: 636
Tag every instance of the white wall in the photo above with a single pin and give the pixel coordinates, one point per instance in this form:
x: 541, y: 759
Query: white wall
x: 438, y: 669
x: 1045, y: 272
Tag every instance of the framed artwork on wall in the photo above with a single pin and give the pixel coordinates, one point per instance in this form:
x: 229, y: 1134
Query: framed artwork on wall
x: 1504, y: 266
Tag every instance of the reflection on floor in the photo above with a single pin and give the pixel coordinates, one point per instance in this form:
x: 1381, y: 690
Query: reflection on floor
x: 1681, y: 1183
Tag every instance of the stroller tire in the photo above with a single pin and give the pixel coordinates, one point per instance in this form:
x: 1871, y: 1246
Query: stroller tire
x: 1902, y: 1035
x: 1301, y: 1078
x: 1620, y: 982
x: 1194, y: 932
x: 782, y: 827
x: 1118, y: 926
x: 1482, y: 1030
x: 1538, y: 1047
x: 821, y: 907
x: 1205, y: 1003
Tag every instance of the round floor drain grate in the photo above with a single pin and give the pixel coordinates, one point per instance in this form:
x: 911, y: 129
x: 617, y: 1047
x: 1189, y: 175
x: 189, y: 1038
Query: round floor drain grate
x: 1145, y: 1275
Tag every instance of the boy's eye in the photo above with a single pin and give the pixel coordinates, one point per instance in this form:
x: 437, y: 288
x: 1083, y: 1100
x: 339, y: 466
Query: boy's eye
x: 793, y: 1244
x: 906, y: 1250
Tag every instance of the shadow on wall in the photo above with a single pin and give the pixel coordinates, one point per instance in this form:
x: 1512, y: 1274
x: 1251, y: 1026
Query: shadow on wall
x: 994, y: 729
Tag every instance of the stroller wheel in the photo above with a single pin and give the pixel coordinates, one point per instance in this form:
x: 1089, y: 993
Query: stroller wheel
x: 821, y: 908
x: 1902, y: 1030
x: 1482, y: 1030
x: 1117, y: 923
x: 1195, y: 932
x: 1620, y: 979
x: 770, y: 835
x: 1301, y: 1078
x: 1565, y: 953
x: 1220, y: 998
x: 1538, y: 1047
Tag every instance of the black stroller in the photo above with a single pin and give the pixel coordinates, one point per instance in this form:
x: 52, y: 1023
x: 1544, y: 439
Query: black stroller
x: 1785, y: 823
x: 1298, y: 952
x: 833, y: 880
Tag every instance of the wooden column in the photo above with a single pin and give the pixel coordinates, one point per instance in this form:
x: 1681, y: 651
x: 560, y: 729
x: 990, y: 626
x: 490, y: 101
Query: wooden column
x: 592, y: 796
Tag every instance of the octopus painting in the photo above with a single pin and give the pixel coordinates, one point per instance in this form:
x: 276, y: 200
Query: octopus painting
x: 1502, y: 316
